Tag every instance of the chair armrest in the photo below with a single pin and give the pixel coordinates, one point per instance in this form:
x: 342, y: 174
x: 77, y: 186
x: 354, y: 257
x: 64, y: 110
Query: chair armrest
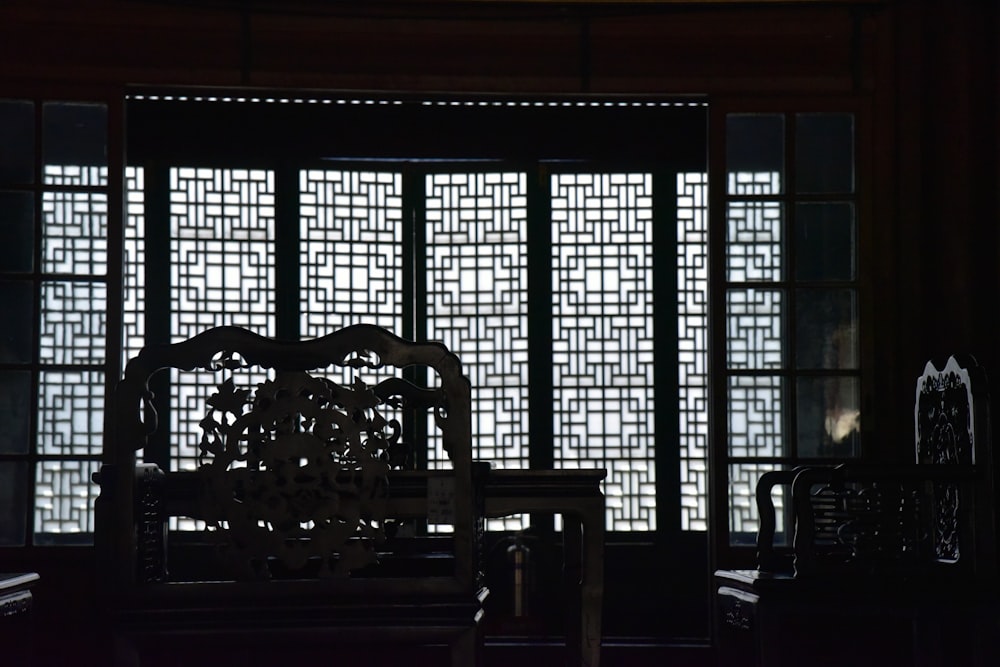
x: 767, y: 559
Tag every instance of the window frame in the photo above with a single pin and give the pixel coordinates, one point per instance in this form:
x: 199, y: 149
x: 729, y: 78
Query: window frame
x: 66, y: 546
x: 725, y: 553
x: 539, y: 307
x: 641, y: 555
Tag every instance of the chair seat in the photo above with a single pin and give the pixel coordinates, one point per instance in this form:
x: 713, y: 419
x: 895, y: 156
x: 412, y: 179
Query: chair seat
x: 186, y: 612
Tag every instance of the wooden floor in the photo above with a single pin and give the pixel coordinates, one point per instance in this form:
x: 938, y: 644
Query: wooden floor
x: 69, y: 647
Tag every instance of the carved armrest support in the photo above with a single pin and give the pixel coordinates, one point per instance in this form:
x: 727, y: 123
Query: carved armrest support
x: 151, y: 523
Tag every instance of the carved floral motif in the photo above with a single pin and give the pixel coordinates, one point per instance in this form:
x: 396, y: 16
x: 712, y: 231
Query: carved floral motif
x: 944, y: 437
x: 296, y: 473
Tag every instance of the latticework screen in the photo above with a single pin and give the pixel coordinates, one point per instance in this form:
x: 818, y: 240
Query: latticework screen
x: 603, y: 346
x: 755, y: 336
x: 474, y: 236
x: 790, y: 304
x: 222, y: 256
x: 692, y: 347
x: 477, y: 302
x: 71, y: 347
x: 134, y: 276
x: 350, y: 253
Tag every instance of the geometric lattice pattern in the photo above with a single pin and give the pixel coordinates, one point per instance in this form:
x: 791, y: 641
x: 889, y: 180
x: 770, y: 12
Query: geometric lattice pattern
x: 134, y: 275
x: 351, y: 252
x: 754, y: 242
x: 73, y: 322
x: 351, y: 269
x: 692, y: 345
x: 72, y: 332
x: 743, y: 518
x: 76, y: 175
x: 753, y: 183
x: 753, y: 329
x: 477, y: 302
x: 70, y: 412
x: 64, y: 497
x: 75, y: 238
x: 755, y: 416
x: 602, y: 332
x: 221, y: 250
x: 222, y: 262
x: 765, y: 311
x: 476, y: 240
x: 755, y: 335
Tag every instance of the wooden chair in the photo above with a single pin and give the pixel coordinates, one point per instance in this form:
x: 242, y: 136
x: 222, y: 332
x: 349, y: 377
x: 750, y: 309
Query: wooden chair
x: 311, y: 493
x: 932, y: 518
x: 891, y: 564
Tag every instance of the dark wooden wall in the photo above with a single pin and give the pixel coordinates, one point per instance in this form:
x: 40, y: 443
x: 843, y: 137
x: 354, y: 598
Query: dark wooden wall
x: 928, y: 71
x: 479, y: 46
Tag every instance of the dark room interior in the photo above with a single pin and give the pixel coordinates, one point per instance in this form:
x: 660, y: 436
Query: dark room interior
x: 816, y: 183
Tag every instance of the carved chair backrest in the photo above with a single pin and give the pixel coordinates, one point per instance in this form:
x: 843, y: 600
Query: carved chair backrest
x: 300, y: 449
x: 951, y: 419
x: 864, y: 519
x: 908, y: 519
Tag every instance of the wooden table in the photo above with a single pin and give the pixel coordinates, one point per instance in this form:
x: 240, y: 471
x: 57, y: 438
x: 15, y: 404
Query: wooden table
x: 576, y: 496
x: 15, y: 595
x: 15, y: 618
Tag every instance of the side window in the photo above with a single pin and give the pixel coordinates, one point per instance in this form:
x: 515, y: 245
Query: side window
x: 54, y: 193
x: 788, y: 304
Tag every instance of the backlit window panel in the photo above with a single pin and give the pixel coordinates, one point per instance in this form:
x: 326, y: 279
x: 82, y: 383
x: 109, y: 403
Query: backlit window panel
x: 222, y: 230
x: 692, y: 347
x: 754, y: 242
x: 477, y: 301
x: 64, y: 501
x: 753, y: 329
x: 70, y: 412
x: 76, y: 236
x: 351, y: 253
x: 602, y: 332
x: 73, y: 322
x: 134, y: 276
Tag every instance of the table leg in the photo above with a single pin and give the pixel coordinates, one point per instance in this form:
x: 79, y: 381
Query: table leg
x: 576, y: 644
x: 592, y: 583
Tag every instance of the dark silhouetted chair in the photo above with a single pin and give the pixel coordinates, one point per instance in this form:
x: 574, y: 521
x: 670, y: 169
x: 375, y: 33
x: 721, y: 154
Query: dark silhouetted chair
x: 933, y: 518
x: 888, y: 564
x: 308, y: 521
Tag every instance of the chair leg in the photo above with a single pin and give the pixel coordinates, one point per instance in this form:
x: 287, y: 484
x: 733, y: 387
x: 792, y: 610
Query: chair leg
x: 467, y: 648
x: 125, y: 652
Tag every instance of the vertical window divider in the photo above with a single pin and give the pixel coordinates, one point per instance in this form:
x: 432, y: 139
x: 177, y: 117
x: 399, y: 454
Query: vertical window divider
x: 414, y: 253
x: 114, y: 276
x: 665, y: 317
x: 414, y: 269
x: 115, y: 270
x: 159, y: 277
x: 540, y: 389
x: 788, y: 199
x: 718, y: 455
x: 32, y: 459
x: 287, y: 232
x: 540, y: 385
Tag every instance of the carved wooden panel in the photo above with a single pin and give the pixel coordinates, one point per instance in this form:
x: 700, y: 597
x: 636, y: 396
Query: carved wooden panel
x: 295, y: 469
x: 945, y: 435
